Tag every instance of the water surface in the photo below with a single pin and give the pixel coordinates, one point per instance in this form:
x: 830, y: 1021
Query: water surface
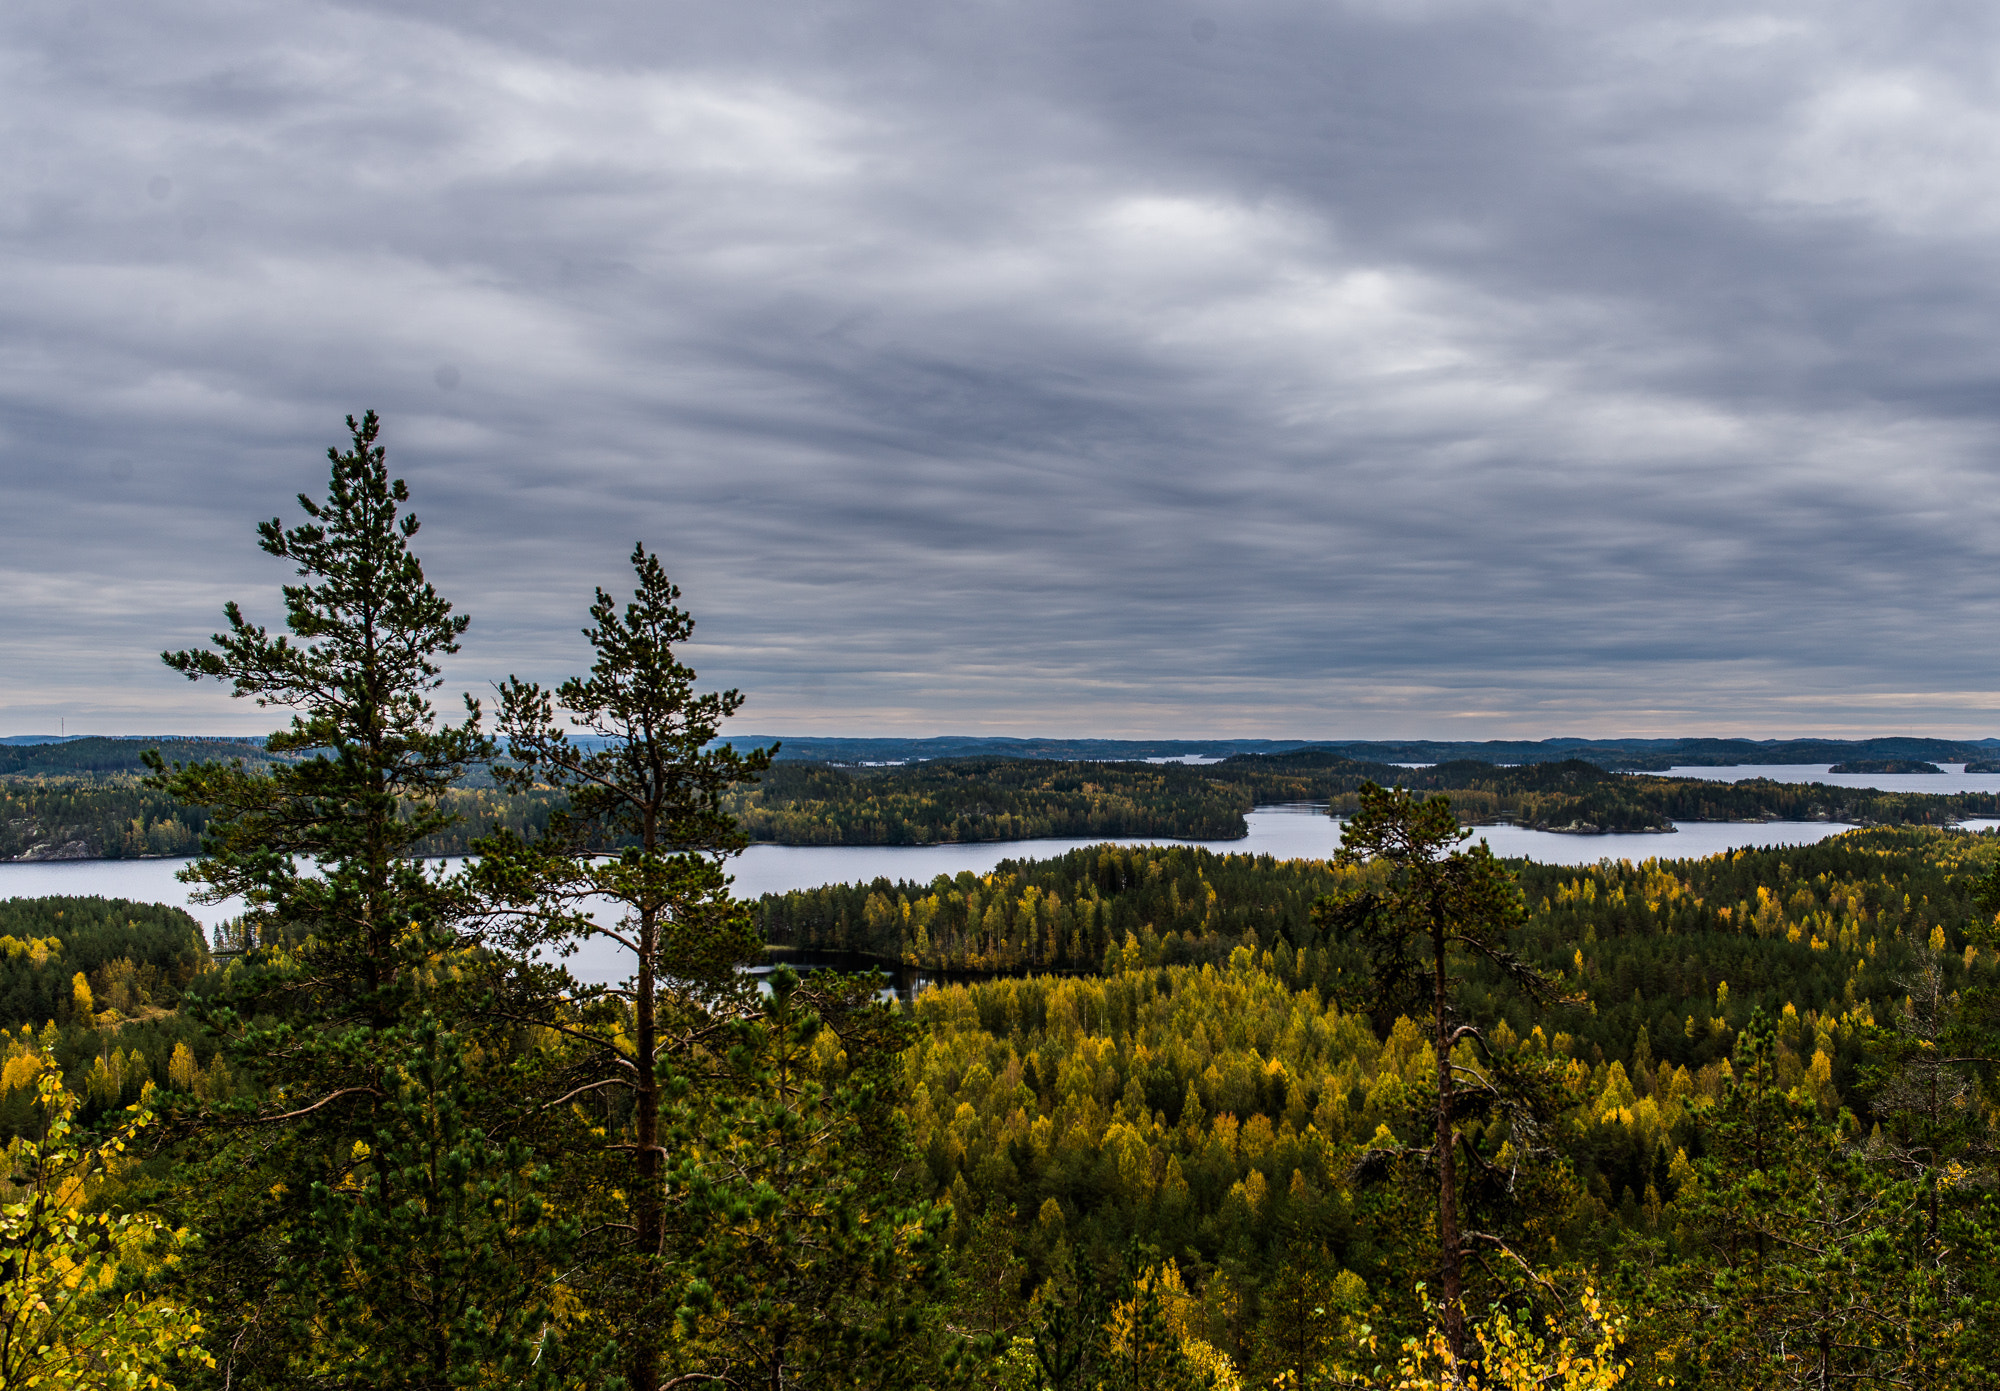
x: 1954, y: 778
x: 1285, y: 833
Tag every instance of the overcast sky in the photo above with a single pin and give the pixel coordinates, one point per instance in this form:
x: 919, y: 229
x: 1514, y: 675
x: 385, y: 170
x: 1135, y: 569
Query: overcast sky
x: 1112, y: 368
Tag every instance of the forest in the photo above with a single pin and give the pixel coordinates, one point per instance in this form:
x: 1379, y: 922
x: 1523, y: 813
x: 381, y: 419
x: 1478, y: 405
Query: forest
x: 1407, y: 1117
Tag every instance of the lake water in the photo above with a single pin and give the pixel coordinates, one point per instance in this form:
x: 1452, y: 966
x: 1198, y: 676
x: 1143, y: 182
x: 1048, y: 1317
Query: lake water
x: 1954, y: 778
x: 1285, y: 833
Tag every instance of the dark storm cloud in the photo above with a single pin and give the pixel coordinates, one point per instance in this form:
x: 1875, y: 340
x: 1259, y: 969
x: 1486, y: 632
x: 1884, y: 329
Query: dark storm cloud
x: 1277, y: 368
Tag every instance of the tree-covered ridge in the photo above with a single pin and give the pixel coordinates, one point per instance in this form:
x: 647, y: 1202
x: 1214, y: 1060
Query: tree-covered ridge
x: 137, y: 959
x: 95, y: 757
x: 1017, y: 799
x: 1606, y: 753
x: 91, y: 989
x: 83, y: 819
x: 1573, y: 795
x: 983, y: 800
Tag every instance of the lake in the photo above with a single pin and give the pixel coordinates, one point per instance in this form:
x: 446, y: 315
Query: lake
x: 1285, y: 833
x: 1954, y: 778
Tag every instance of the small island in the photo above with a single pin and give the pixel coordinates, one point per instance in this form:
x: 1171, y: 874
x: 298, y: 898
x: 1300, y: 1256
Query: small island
x: 1887, y: 765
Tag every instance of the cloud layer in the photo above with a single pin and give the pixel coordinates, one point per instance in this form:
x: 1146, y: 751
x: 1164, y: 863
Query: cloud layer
x: 1282, y: 369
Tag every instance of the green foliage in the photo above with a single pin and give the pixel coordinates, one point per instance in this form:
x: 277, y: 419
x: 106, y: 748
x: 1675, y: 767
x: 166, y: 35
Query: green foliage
x: 431, y: 1259
x: 1792, y: 1260
x: 805, y: 1251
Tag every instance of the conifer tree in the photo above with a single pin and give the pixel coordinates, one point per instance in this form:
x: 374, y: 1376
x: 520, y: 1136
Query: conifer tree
x: 651, y: 790
x: 1794, y: 1263
x: 741, y: 1152
x: 353, y: 984
x: 1431, y: 909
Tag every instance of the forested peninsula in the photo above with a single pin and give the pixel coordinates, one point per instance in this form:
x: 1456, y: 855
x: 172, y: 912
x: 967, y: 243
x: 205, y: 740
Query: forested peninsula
x: 92, y: 803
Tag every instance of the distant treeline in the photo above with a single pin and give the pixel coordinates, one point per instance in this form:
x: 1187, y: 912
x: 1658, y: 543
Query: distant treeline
x: 1579, y: 796
x: 96, y: 757
x: 110, y: 815
x: 1651, y: 754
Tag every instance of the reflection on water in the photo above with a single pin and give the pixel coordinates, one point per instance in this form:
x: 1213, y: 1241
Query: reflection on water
x: 1284, y: 833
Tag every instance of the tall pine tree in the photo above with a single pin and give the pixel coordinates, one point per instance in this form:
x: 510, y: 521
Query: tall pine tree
x: 361, y: 1223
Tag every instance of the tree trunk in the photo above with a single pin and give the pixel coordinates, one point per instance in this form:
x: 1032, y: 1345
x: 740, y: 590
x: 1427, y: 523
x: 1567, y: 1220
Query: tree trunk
x: 646, y: 1205
x: 1451, y: 1293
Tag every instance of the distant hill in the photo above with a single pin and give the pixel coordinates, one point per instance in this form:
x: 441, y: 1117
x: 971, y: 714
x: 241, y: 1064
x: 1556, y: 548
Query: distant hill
x: 93, y: 756
x: 816, y: 749
x: 34, y: 753
x: 1622, y: 754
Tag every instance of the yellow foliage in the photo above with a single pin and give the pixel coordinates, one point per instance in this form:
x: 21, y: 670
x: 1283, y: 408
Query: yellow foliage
x: 21, y: 1071
x: 1513, y: 1357
x: 1212, y: 1365
x: 68, y: 1327
x: 182, y: 1072
x: 38, y: 950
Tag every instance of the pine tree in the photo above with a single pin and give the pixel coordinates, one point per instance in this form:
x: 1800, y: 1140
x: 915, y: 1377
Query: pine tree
x: 354, y: 983
x: 1429, y: 910
x: 652, y: 789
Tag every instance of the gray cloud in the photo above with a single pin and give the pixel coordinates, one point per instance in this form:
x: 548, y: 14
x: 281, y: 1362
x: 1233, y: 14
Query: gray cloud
x: 1363, y: 369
